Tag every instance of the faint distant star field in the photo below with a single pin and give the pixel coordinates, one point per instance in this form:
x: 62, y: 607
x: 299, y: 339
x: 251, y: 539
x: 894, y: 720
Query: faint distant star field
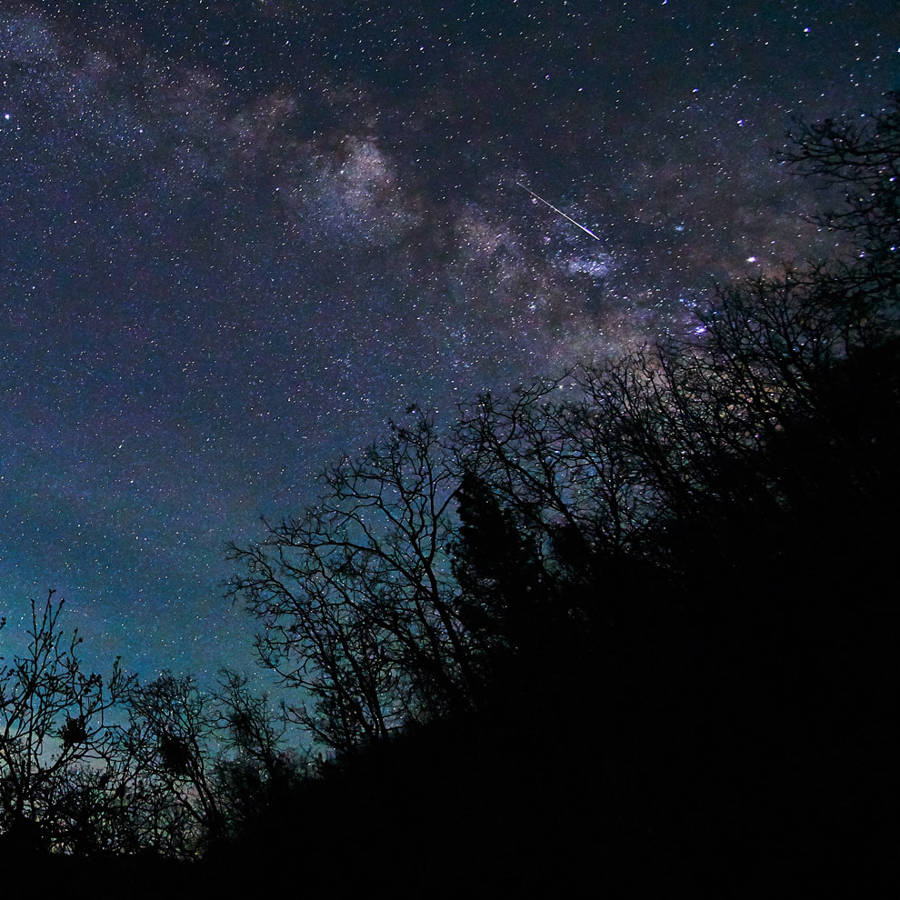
x: 237, y: 237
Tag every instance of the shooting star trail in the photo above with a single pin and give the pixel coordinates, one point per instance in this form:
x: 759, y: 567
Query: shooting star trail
x: 557, y: 210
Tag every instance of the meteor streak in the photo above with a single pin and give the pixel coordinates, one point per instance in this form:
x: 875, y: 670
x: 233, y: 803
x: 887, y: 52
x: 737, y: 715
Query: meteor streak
x: 557, y: 210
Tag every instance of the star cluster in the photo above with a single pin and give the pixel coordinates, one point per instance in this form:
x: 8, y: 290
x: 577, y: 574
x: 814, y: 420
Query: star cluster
x: 236, y: 237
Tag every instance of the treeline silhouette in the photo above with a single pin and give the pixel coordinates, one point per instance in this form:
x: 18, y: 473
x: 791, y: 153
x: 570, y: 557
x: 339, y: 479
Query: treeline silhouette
x: 629, y: 627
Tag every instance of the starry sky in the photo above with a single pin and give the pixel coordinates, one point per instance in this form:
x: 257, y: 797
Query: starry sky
x: 237, y: 236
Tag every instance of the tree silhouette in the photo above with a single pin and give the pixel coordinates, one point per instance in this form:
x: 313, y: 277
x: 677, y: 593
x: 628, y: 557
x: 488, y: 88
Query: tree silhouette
x: 859, y: 157
x: 54, y: 730
x: 254, y: 773
x: 168, y: 752
x: 356, y: 595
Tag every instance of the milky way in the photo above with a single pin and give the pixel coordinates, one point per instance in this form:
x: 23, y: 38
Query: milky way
x: 238, y: 237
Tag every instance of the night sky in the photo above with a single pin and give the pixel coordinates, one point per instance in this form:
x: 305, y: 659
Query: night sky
x: 237, y: 237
